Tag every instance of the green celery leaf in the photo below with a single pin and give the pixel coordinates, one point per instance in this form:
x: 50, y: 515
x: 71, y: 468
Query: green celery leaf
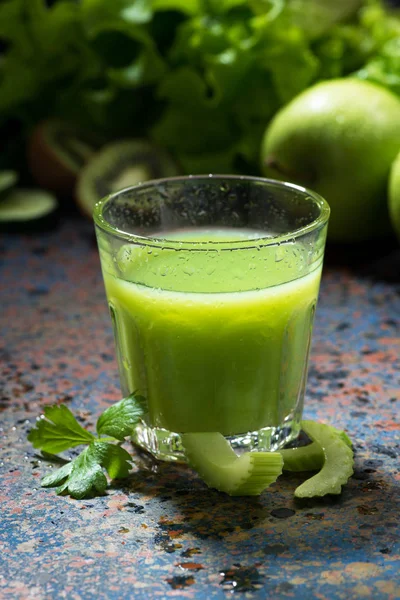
x: 191, y: 123
x: 209, y: 162
x: 116, y: 461
x: 384, y: 68
x: 182, y: 86
x: 84, y: 475
x: 45, y: 45
x: 283, y: 53
x: 317, y: 16
x: 120, y: 419
x: 189, y: 133
x: 147, y: 68
x: 56, y: 477
x: 225, y: 73
x: 97, y: 13
x: 58, y: 431
x: 191, y: 7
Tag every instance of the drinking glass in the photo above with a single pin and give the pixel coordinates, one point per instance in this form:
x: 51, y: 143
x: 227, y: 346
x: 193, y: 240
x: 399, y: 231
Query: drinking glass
x: 212, y: 284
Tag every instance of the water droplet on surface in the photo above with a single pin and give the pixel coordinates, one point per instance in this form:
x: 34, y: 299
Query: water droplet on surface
x: 279, y: 254
x: 238, y: 579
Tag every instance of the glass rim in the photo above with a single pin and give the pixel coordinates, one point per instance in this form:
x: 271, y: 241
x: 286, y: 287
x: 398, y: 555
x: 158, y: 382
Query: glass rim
x: 160, y: 242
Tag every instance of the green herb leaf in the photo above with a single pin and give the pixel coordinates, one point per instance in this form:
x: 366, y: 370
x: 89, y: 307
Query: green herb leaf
x: 119, y: 420
x: 84, y: 475
x: 116, y: 461
x: 58, y: 431
x: 57, y: 476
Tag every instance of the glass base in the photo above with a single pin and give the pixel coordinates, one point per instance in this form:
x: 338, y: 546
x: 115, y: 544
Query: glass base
x: 166, y: 445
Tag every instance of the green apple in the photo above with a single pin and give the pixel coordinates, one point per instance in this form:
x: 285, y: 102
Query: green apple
x: 394, y: 195
x: 339, y: 138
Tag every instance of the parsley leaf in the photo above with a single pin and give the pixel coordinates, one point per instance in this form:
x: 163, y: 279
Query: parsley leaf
x: 58, y: 431
x: 84, y: 475
x: 119, y: 420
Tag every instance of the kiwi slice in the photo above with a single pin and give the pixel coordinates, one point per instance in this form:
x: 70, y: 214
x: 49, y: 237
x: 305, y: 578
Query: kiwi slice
x: 7, y: 180
x: 57, y: 152
x: 119, y: 165
x: 26, y: 210
x: 211, y: 455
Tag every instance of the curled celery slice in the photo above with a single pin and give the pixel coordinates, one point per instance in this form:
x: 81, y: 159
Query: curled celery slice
x: 310, y: 457
x: 303, y: 458
x: 211, y: 455
x: 338, y: 461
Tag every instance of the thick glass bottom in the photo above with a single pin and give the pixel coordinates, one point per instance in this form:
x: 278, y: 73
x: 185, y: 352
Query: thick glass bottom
x: 166, y: 445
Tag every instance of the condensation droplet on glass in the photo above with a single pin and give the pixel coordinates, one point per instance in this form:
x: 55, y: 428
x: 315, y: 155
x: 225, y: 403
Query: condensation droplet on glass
x: 280, y: 254
x: 237, y: 274
x: 126, y: 363
x: 188, y: 270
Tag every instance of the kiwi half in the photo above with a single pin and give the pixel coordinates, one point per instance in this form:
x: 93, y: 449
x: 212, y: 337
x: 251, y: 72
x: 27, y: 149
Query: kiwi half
x: 57, y: 152
x: 119, y: 165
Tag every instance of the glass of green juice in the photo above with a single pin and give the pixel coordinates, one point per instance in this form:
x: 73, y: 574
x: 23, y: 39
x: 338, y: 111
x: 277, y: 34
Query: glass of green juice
x: 212, y: 283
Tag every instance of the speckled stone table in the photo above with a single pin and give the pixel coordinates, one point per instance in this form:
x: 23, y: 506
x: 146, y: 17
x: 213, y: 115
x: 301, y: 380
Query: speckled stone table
x: 163, y: 534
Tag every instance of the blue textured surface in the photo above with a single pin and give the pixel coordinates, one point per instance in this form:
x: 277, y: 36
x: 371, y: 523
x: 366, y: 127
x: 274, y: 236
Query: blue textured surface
x: 163, y: 534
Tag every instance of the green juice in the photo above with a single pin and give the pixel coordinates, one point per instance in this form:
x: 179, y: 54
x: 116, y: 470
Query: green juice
x: 215, y: 339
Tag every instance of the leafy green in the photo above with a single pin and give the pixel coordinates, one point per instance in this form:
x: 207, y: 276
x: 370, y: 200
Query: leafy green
x: 84, y: 475
x: 385, y: 68
x: 318, y: 16
x: 203, y: 78
x: 120, y: 418
x: 58, y: 431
